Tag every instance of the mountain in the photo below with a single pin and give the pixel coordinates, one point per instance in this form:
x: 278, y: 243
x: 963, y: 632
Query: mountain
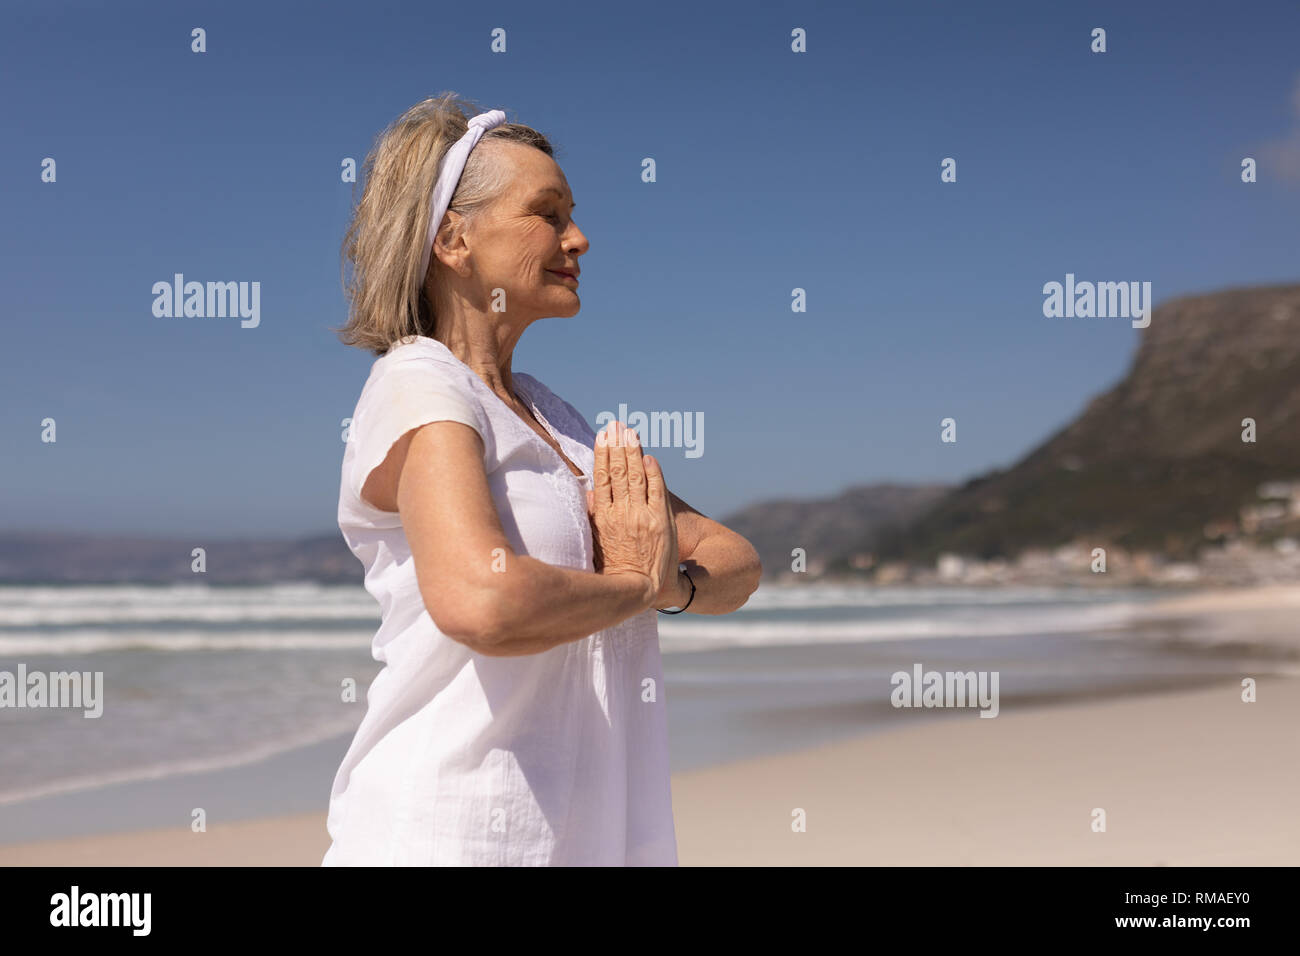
x: 826, y: 528
x: 1152, y: 461
x: 46, y: 557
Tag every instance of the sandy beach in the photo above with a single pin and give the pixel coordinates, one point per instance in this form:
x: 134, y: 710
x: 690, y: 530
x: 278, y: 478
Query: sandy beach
x: 1185, y: 779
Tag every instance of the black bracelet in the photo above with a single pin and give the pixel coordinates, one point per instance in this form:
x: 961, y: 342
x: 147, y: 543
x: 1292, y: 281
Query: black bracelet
x: 688, y: 602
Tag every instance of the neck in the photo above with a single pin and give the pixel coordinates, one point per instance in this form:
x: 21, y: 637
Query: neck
x: 486, y: 343
x: 480, y: 337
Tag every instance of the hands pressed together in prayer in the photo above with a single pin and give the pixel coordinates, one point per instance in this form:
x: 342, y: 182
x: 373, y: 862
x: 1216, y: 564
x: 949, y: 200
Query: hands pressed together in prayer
x: 632, y: 523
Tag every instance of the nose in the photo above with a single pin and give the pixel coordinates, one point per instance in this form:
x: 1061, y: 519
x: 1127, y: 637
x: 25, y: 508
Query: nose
x: 574, y: 240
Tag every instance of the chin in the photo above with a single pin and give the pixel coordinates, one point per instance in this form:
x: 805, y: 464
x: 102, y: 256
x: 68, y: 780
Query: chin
x: 569, y: 308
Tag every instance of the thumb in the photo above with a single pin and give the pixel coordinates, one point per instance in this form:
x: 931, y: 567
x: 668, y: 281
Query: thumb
x: 591, y: 503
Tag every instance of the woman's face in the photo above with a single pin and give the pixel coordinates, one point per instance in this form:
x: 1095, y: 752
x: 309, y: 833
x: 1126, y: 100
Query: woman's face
x: 521, y: 241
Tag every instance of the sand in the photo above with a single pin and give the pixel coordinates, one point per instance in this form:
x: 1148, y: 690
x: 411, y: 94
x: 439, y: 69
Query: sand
x: 1188, y: 778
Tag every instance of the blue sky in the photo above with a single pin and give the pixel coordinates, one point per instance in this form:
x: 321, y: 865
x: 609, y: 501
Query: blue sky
x: 775, y: 170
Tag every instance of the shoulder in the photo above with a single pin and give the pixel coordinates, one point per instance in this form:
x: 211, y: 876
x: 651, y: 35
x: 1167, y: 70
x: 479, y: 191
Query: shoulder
x: 419, y: 352
x: 408, y: 387
x: 413, y: 384
x: 422, y: 365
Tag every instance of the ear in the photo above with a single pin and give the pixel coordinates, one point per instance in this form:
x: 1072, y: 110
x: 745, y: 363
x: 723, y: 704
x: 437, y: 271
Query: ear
x: 449, y: 244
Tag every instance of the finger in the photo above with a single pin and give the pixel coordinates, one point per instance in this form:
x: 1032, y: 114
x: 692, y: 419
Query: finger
x: 655, y: 490
x: 602, y: 492
x: 635, y: 469
x: 618, y: 468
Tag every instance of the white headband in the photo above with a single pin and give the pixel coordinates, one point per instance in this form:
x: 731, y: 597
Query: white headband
x: 449, y: 170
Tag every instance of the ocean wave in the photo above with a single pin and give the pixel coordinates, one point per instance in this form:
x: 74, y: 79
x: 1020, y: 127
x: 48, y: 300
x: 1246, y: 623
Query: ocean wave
x: 212, y: 613
x: 25, y: 595
x: 322, y: 730
x: 775, y: 597
x: 711, y: 677
x: 691, y: 634
x: 87, y: 641
x: 702, y: 635
x: 325, y: 599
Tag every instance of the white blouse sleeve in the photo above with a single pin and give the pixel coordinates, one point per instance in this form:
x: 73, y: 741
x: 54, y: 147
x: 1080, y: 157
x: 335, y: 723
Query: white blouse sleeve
x: 401, y: 398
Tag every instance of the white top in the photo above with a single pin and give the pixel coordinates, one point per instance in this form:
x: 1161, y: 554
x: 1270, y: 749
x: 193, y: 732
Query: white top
x: 557, y: 758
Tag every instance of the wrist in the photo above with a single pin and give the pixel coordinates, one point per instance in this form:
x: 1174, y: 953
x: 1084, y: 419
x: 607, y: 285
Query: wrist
x: 683, y: 594
x: 640, y: 586
x: 683, y: 589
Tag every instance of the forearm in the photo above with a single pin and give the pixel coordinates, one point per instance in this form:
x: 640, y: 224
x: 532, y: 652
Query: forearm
x: 725, y: 570
x: 537, y: 606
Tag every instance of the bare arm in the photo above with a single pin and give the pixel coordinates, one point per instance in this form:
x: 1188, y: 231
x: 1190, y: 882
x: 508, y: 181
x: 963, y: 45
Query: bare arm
x: 723, y: 565
x: 476, y: 588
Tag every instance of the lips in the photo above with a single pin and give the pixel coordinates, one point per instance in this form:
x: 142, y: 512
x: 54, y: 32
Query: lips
x: 565, y: 274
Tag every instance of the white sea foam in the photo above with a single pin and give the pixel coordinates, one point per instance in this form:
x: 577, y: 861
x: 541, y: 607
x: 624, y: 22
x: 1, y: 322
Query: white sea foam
x: 28, y: 606
x: 183, y: 611
x: 95, y: 641
x: 212, y: 612
x: 675, y: 635
x: 321, y: 730
x: 23, y: 594
x: 327, y: 600
x: 774, y: 597
x: 704, y: 634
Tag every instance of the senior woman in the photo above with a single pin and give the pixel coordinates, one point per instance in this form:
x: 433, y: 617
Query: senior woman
x: 519, y: 559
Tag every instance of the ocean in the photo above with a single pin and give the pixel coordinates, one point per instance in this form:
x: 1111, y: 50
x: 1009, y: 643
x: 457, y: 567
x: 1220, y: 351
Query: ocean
x: 201, y: 680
